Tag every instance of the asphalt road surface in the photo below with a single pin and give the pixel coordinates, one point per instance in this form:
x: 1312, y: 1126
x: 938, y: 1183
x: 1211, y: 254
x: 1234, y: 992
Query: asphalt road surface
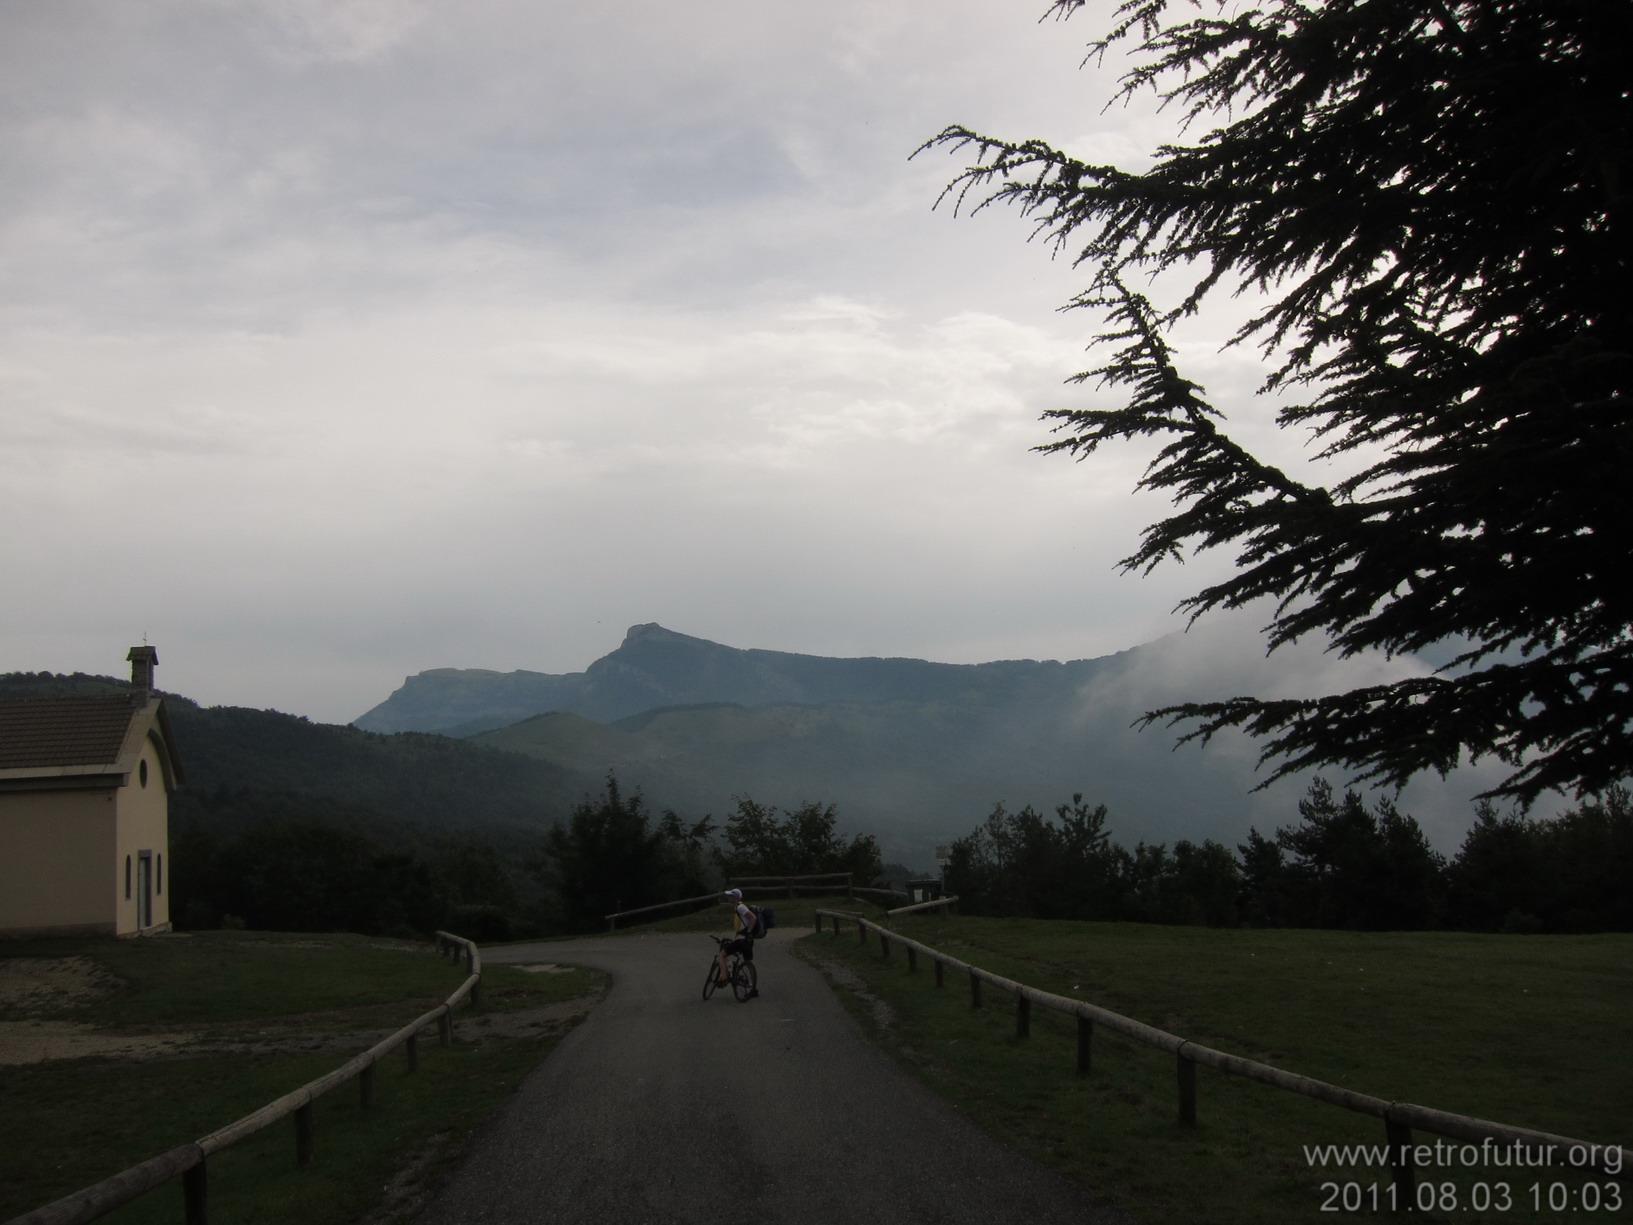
x: 661, y: 1107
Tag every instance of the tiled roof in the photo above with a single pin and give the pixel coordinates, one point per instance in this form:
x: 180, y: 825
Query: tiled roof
x: 87, y: 731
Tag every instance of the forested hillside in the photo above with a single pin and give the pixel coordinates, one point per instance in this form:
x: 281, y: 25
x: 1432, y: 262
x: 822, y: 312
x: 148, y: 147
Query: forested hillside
x: 236, y: 758
x: 292, y: 825
x: 916, y: 774
x: 909, y: 750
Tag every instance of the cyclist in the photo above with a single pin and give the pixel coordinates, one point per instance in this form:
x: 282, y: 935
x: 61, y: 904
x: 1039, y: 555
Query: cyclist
x: 746, y: 923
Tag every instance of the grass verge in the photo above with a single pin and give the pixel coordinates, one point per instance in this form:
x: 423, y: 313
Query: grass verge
x: 257, y: 1000
x: 1525, y: 1030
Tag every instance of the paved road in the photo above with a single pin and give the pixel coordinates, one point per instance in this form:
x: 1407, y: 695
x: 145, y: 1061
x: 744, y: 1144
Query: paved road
x: 663, y: 1108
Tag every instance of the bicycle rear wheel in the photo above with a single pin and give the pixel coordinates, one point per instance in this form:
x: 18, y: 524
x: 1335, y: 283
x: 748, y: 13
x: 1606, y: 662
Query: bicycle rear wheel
x: 740, y: 984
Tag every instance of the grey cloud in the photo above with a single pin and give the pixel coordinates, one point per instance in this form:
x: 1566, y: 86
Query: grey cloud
x: 434, y: 334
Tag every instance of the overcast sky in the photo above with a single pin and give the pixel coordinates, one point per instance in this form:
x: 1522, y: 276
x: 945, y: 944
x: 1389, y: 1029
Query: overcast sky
x: 345, y: 339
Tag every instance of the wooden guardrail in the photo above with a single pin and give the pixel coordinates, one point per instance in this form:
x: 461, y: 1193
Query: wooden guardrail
x: 1399, y: 1118
x: 190, y: 1160
x: 818, y: 882
x: 889, y: 895
x: 932, y: 904
x: 809, y: 880
x: 612, y: 919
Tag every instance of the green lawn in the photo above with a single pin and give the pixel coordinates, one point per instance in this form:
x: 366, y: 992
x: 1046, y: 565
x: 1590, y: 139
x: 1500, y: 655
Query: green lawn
x: 67, y: 1123
x: 1529, y: 1030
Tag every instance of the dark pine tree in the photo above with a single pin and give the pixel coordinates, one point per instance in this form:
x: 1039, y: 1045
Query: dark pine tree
x: 607, y: 857
x: 1433, y: 200
x: 1348, y: 867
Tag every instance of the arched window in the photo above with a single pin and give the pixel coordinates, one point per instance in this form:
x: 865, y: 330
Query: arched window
x: 127, y: 878
x: 141, y: 773
x: 158, y: 874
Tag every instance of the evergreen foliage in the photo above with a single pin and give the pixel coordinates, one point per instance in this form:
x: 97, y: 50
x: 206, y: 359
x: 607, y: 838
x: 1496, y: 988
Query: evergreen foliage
x: 310, y: 868
x: 798, y: 843
x: 1197, y: 884
x: 1515, y: 873
x: 1343, y: 866
x: 1022, y: 863
x: 1340, y: 865
x: 610, y: 856
x: 1433, y: 200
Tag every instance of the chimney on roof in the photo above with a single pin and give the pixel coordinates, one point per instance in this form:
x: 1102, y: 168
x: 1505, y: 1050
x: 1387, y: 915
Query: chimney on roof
x: 142, y: 659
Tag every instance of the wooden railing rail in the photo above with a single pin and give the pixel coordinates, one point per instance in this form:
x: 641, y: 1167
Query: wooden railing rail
x: 1399, y: 1117
x: 933, y: 904
x: 887, y: 894
x: 189, y: 1160
x: 749, y: 885
x: 612, y: 919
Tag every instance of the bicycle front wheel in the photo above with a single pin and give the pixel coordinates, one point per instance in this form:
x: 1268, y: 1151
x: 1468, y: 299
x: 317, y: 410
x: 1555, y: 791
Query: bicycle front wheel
x: 711, y: 982
x: 739, y: 980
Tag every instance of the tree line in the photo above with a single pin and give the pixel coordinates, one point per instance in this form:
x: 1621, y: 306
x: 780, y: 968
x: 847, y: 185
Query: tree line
x: 1341, y: 865
x: 299, y: 863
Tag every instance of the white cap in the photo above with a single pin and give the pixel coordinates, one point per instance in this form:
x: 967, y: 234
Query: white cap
x: 736, y: 893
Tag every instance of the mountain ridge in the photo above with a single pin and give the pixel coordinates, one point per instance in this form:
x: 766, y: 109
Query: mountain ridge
x: 655, y: 667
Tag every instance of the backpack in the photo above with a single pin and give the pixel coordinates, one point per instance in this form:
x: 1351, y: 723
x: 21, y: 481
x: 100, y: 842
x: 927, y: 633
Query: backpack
x: 767, y: 917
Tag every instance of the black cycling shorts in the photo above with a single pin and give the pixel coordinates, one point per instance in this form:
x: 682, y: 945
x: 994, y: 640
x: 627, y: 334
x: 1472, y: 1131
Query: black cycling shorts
x: 743, y: 945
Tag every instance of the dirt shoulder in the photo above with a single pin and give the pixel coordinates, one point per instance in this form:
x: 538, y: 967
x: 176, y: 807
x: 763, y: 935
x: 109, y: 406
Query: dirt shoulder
x: 34, y: 990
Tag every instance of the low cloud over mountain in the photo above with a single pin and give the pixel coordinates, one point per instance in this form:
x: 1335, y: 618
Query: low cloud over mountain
x: 915, y: 751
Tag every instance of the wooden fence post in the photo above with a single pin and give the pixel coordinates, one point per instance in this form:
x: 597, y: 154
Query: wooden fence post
x: 1187, y: 1089
x: 365, y: 1087
x: 195, y: 1195
x: 445, y: 1029
x: 1023, y: 1016
x: 975, y: 989
x: 912, y: 959
x: 940, y: 970
x: 476, y: 992
x: 861, y: 932
x: 412, y: 1046
x: 1401, y: 1167
x: 1085, y: 1035
x: 884, y: 946
x: 303, y: 1135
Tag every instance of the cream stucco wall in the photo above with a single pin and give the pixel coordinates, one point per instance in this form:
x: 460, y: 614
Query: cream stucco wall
x: 56, y: 848
x: 143, y: 812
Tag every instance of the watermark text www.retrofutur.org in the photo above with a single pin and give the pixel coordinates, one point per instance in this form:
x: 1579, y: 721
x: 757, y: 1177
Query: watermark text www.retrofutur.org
x: 1514, y: 1185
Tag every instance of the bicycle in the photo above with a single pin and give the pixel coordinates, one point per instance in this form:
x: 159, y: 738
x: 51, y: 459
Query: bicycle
x: 739, y: 973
